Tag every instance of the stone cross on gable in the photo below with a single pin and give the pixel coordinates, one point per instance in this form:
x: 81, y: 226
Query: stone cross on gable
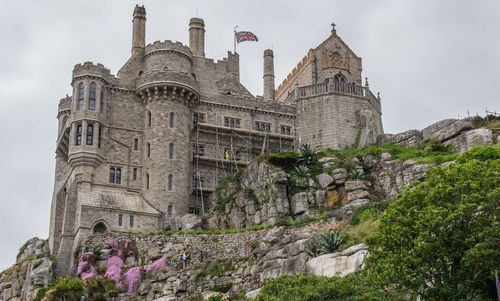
x: 334, y: 31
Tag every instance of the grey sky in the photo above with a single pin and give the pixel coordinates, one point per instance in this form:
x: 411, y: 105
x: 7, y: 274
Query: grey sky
x: 429, y: 59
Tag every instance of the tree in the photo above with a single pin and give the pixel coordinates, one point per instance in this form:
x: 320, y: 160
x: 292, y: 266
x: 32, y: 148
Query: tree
x: 441, y: 238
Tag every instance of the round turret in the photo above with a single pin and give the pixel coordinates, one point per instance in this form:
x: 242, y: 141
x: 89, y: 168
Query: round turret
x: 167, y: 65
x: 169, y: 90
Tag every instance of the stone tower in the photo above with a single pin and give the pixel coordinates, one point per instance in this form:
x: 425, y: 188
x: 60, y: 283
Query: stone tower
x: 197, y: 36
x: 268, y: 75
x: 169, y: 91
x: 138, y: 29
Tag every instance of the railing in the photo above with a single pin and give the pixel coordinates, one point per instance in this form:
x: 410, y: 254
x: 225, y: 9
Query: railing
x: 332, y: 87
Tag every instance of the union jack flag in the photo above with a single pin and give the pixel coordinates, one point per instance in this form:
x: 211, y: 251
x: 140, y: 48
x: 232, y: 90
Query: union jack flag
x: 243, y: 36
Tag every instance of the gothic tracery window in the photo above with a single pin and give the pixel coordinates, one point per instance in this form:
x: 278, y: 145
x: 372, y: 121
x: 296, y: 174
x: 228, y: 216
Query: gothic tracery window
x: 339, y: 78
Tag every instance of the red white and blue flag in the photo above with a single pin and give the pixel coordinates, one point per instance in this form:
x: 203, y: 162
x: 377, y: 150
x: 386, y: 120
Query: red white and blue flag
x: 243, y: 36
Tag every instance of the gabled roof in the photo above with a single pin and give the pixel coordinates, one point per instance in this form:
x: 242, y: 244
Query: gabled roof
x: 115, y: 199
x: 335, y: 36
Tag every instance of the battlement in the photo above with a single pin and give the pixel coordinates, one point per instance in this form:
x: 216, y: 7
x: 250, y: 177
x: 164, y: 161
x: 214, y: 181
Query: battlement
x: 89, y: 68
x: 168, y: 45
x: 283, y: 87
x: 65, y: 103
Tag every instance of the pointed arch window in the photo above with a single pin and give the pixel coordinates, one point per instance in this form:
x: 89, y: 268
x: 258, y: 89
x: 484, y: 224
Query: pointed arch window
x: 149, y: 119
x: 100, y: 227
x: 147, y: 181
x: 171, y: 118
x: 80, y: 95
x: 171, y: 150
x: 170, y: 182
x: 92, y: 96
x: 169, y: 210
x: 339, y: 78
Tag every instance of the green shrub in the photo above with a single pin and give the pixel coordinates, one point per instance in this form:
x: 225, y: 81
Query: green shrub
x: 40, y: 294
x: 217, y: 297
x: 284, y: 160
x: 372, y: 210
x: 69, y: 289
x: 440, y: 239
x: 435, y: 145
x: 221, y: 288
x: 316, y: 288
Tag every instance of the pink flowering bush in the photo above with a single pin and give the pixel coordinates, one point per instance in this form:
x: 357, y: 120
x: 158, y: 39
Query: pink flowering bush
x: 114, y: 269
x: 158, y: 266
x: 86, y: 268
x: 132, y: 279
x: 90, y: 274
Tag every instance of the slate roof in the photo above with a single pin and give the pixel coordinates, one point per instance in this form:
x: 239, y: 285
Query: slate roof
x: 118, y: 199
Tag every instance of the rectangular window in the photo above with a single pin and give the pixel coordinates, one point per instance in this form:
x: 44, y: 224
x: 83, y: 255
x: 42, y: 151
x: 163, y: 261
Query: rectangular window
x: 134, y: 174
x: 120, y: 219
x: 136, y: 144
x: 198, y: 151
x: 286, y: 130
x: 131, y: 221
x: 101, y: 100
x: 92, y: 104
x: 198, y: 117
x: 90, y: 134
x: 232, y: 122
x: 262, y: 126
x: 78, y: 135
x: 115, y: 175
x: 99, y: 137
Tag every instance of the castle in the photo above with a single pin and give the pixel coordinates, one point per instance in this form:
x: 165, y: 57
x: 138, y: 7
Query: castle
x: 138, y: 149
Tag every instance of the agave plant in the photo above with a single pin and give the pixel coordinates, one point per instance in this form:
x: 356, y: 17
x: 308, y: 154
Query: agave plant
x: 331, y: 241
x: 313, y: 250
x: 308, y: 155
x: 300, y: 175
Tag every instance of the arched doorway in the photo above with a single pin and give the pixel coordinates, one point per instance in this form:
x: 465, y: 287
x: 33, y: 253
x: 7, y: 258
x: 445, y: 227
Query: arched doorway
x: 100, y: 227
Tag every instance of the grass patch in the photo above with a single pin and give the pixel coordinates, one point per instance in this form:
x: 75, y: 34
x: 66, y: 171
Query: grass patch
x: 397, y: 152
x: 214, y: 231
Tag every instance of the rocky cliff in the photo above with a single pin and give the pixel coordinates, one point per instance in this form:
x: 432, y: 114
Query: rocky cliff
x: 265, y: 221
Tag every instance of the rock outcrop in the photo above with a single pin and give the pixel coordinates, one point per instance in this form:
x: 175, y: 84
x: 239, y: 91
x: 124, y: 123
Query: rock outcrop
x: 459, y: 133
x: 33, y: 270
x: 259, y: 197
x: 340, y: 263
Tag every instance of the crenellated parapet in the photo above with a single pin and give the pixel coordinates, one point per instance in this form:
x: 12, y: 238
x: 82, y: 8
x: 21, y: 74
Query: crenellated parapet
x: 292, y: 76
x: 93, y: 70
x: 167, y: 46
x: 64, y: 104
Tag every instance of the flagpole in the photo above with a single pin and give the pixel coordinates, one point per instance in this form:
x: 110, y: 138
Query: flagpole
x: 235, y: 38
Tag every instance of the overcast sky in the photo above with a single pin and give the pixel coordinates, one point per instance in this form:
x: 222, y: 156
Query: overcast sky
x: 429, y: 59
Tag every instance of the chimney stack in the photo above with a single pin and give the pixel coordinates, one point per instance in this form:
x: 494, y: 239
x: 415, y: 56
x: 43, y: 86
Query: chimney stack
x: 197, y: 36
x: 268, y: 75
x: 138, y: 29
